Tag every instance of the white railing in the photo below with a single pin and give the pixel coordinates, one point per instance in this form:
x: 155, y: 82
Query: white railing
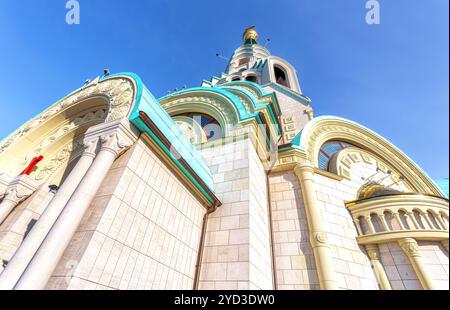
x: 392, y: 217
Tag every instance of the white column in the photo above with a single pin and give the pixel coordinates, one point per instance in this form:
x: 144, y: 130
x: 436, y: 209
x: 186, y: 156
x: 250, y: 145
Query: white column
x: 317, y: 233
x: 399, y: 221
x: 40, y: 269
x: 383, y: 222
x: 380, y: 273
x: 26, y: 251
x: 17, y: 191
x: 369, y: 224
x: 8, y: 204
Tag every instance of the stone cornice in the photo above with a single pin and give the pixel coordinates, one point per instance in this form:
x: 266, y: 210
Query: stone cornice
x: 385, y: 237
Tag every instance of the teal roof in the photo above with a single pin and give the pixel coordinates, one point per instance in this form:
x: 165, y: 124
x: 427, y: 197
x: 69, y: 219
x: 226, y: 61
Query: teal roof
x: 233, y: 98
x: 443, y: 184
x: 147, y: 103
x: 224, y: 90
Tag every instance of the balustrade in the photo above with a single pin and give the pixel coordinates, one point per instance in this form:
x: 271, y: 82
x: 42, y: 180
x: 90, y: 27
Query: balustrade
x: 393, y: 217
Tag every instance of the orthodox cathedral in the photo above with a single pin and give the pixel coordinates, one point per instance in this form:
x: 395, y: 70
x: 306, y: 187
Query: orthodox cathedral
x: 232, y: 185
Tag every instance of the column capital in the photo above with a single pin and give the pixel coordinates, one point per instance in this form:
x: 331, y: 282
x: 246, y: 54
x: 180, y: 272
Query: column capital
x: 409, y: 246
x: 115, y: 137
x: 303, y: 169
x: 305, y: 166
x: 411, y: 249
x: 380, y: 273
x: 90, y: 147
x: 115, y: 143
x: 20, y: 188
x: 5, y: 179
x: 372, y: 251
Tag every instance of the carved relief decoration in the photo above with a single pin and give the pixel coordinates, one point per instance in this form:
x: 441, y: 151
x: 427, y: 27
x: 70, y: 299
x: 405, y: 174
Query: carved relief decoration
x: 321, y: 130
x: 352, y: 161
x: 120, y: 92
x: 70, y: 151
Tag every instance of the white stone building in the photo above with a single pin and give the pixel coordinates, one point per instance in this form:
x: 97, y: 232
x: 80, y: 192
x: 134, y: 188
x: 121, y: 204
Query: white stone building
x: 230, y: 185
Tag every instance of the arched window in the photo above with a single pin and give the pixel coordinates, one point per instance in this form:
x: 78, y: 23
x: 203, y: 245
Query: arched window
x: 252, y: 78
x: 280, y: 76
x: 236, y: 78
x: 209, y: 125
x: 328, y: 149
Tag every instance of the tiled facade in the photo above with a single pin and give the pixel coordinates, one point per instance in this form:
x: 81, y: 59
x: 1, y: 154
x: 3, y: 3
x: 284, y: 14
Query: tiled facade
x: 153, y: 197
x: 294, y: 259
x: 435, y: 259
x: 295, y: 115
x: 20, y: 222
x: 237, y: 253
x: 351, y: 263
x: 142, y: 231
x: 398, y: 268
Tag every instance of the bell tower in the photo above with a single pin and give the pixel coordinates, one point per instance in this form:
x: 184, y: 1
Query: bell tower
x: 252, y: 62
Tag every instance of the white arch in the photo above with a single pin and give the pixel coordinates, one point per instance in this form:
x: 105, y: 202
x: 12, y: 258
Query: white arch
x: 324, y: 128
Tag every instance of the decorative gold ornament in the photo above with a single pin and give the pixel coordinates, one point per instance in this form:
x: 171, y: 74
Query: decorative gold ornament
x: 250, y: 35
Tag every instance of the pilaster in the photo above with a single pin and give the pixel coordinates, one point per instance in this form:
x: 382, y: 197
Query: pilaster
x: 411, y: 249
x: 114, y: 138
x: 380, y: 273
x: 32, y: 242
x: 317, y: 234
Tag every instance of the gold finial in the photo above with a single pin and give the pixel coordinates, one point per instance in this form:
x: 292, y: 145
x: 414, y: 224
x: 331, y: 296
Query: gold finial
x: 250, y: 36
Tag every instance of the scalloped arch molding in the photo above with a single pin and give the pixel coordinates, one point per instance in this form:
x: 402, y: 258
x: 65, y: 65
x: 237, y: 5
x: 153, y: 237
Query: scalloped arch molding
x: 125, y: 96
x: 324, y: 128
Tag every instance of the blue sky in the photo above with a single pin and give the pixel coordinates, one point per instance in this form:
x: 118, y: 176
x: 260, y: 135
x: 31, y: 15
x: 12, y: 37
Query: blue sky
x: 392, y: 77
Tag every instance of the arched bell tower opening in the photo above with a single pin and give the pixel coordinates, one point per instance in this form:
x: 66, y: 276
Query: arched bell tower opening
x: 252, y: 78
x: 281, y: 76
x: 252, y: 62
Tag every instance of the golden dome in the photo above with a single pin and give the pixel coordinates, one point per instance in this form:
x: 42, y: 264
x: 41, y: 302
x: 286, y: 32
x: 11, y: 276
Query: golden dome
x: 250, y: 36
x: 373, y: 189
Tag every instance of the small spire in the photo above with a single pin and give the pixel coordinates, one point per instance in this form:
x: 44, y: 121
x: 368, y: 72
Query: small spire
x: 250, y: 36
